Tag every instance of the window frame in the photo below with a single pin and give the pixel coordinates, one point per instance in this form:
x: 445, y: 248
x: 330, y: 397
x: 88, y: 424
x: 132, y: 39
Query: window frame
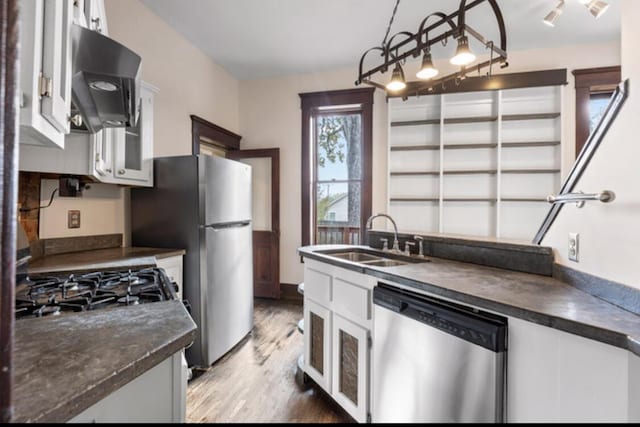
x: 312, y: 104
x: 588, y: 81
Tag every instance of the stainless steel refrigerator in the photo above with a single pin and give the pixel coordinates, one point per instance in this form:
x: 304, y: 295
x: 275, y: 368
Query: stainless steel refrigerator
x: 203, y: 204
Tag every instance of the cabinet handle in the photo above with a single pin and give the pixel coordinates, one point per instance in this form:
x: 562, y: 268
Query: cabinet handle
x: 108, y: 170
x: 121, y: 171
x: 76, y: 120
x: 96, y: 21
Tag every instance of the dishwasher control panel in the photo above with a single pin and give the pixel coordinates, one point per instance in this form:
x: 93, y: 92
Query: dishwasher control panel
x: 478, y: 327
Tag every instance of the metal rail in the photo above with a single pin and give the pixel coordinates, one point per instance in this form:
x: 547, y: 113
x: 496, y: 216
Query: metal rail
x: 579, y: 198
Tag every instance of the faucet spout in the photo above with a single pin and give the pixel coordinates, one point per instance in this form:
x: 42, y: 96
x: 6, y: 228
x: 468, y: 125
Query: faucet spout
x: 396, y: 245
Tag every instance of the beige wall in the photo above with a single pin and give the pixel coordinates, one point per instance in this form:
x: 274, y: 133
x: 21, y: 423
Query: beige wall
x: 270, y: 117
x: 610, y: 233
x: 101, y: 211
x: 189, y: 81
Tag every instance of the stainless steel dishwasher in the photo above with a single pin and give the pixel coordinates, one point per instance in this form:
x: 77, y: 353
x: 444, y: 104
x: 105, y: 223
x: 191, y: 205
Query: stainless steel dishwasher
x: 436, y: 361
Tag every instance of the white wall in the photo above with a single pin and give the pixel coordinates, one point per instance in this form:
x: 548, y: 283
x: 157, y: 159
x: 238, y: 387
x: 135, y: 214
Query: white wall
x: 610, y: 233
x: 270, y: 117
x: 189, y: 83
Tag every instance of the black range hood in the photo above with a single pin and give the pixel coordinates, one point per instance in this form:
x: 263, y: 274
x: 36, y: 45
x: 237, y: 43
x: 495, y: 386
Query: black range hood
x: 105, y: 82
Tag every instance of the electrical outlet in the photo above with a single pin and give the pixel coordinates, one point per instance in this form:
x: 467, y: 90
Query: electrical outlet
x: 73, y: 219
x: 573, y: 246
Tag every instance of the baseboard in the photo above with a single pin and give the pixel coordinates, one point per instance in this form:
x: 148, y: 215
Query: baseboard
x: 289, y: 292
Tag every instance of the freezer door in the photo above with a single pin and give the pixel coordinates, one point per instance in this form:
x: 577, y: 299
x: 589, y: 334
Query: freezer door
x: 227, y: 281
x: 225, y: 190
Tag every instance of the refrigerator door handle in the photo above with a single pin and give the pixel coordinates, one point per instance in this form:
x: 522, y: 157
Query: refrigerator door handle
x: 226, y: 225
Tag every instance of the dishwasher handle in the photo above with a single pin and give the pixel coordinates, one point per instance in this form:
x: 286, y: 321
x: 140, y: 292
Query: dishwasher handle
x: 393, y: 305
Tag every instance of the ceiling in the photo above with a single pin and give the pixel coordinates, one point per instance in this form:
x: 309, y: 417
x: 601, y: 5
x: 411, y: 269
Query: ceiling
x: 264, y: 38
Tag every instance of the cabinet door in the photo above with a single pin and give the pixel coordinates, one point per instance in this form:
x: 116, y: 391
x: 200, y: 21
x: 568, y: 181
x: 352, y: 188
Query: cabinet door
x: 317, y: 343
x: 350, y: 367
x: 55, y: 85
x: 134, y: 145
x: 103, y: 147
x: 96, y: 16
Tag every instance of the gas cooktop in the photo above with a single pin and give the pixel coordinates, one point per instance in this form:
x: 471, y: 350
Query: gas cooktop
x: 58, y: 294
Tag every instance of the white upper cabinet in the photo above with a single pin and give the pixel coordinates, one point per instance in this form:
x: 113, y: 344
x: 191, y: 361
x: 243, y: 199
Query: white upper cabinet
x: 95, y: 15
x: 113, y: 155
x: 45, y: 71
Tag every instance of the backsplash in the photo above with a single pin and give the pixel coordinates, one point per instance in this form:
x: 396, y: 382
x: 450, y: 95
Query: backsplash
x: 29, y: 197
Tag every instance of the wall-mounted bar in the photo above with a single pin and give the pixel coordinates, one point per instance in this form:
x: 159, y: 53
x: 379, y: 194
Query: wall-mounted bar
x: 587, y: 152
x: 579, y: 198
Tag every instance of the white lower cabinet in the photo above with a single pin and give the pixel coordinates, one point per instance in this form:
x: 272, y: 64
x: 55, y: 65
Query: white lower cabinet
x: 350, y: 364
x: 158, y: 396
x: 337, y: 336
x: 173, y: 268
x: 555, y: 376
x: 317, y: 343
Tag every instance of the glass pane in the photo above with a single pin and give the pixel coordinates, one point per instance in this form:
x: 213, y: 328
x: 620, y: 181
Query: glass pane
x: 338, y: 147
x: 133, y: 147
x: 338, y: 213
x: 597, y: 104
x: 349, y: 366
x: 317, y: 343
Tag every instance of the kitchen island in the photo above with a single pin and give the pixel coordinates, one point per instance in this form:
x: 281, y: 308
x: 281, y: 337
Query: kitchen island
x: 66, y: 364
x: 571, y: 356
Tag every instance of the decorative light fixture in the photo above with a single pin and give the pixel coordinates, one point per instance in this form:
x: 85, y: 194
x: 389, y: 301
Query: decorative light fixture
x: 553, y: 16
x: 596, y: 7
x: 452, y: 26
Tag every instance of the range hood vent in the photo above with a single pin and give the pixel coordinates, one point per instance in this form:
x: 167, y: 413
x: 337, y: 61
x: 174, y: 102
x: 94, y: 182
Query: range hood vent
x: 105, y: 82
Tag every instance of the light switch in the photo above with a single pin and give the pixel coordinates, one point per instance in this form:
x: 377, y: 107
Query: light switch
x: 73, y: 219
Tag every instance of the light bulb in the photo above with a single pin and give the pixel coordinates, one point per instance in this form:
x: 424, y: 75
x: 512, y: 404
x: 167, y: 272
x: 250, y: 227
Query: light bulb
x: 397, y: 82
x: 597, y: 8
x: 463, y: 55
x: 553, y: 16
x: 427, y: 70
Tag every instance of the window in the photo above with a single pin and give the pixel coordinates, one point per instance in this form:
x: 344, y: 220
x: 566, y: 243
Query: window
x: 336, y: 165
x: 594, y: 87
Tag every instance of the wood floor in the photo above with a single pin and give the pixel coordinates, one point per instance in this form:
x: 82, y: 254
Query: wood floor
x: 255, y: 382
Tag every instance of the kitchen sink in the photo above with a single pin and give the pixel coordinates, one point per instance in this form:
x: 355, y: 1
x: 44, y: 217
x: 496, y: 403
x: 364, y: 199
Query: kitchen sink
x: 356, y: 256
x: 386, y: 263
x: 372, y: 257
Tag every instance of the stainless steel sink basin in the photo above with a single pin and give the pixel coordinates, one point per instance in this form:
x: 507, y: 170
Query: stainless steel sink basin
x: 383, y: 262
x: 355, y: 256
x: 372, y: 258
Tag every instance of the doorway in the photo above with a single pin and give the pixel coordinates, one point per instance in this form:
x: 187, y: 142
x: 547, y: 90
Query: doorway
x: 265, y: 165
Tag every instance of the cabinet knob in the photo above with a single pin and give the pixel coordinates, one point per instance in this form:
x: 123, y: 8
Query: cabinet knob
x: 76, y: 120
x: 121, y: 171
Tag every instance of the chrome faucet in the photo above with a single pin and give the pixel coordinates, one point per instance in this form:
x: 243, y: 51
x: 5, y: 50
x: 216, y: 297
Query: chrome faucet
x: 396, y: 245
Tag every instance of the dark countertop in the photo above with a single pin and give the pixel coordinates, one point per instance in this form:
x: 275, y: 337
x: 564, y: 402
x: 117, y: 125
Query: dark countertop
x: 65, y: 364
x: 535, y: 298
x: 101, y: 259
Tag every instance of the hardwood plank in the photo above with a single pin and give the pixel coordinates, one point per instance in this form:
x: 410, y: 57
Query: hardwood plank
x: 255, y: 381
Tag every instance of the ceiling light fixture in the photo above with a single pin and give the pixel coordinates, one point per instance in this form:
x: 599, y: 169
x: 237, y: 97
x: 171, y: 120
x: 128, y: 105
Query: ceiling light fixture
x: 427, y: 70
x: 596, y: 7
x: 453, y: 26
x: 553, y: 16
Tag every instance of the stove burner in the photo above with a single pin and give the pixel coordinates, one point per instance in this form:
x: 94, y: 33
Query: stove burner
x: 50, y: 296
x: 129, y: 300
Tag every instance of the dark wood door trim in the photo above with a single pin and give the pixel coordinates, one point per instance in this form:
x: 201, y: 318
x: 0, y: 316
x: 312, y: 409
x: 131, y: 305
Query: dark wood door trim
x: 267, y: 240
x: 588, y: 81
x: 9, y: 35
x: 220, y: 137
